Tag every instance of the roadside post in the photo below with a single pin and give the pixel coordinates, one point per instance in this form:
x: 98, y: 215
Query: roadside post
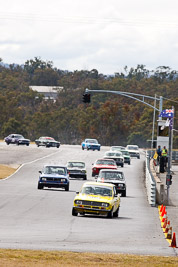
x: 169, y: 114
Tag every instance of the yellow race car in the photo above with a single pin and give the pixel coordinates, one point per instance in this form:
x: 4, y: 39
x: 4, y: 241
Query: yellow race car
x: 97, y: 198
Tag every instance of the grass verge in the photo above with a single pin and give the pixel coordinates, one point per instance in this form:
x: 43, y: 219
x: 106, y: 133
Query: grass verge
x: 26, y: 258
x: 6, y: 171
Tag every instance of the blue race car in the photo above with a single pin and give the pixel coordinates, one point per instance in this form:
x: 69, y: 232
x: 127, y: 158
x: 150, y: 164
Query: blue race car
x: 91, y: 144
x: 54, y: 176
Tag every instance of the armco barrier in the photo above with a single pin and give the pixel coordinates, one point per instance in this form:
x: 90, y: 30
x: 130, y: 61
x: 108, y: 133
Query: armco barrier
x: 150, y: 183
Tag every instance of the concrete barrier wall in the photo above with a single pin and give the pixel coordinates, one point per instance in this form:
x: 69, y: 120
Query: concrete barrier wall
x: 161, y: 196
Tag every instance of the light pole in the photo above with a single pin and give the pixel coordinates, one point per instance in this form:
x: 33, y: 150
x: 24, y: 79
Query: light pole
x: 137, y: 97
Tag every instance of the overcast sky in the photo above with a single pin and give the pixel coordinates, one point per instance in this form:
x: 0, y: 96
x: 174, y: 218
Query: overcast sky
x: 86, y: 35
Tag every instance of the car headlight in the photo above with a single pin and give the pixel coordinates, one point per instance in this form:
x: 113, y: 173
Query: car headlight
x: 105, y: 204
x: 43, y: 179
x: 120, y: 185
x: 78, y: 202
x: 63, y: 180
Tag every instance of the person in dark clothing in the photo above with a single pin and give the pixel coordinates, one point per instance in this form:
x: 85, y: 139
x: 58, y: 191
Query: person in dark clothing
x: 159, y: 152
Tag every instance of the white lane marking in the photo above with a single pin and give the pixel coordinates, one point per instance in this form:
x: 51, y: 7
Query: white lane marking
x: 29, y: 163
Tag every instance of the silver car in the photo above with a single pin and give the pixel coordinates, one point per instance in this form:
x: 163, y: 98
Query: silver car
x: 116, y: 156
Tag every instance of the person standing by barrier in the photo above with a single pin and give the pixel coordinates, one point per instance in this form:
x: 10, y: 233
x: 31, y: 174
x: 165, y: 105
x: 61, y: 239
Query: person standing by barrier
x: 164, y: 155
x: 159, y: 151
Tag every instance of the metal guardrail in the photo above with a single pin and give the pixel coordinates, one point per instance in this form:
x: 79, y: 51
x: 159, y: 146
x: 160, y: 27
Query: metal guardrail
x: 150, y: 183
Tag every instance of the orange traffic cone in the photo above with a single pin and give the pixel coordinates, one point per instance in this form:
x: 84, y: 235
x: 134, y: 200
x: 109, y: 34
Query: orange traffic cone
x: 167, y: 227
x: 164, y: 217
x: 173, y: 243
x: 169, y: 234
x: 165, y: 223
x: 163, y: 211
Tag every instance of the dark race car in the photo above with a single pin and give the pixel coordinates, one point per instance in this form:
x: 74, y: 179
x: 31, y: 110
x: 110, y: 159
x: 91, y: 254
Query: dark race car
x: 47, y: 142
x: 17, y: 139
x: 115, y: 177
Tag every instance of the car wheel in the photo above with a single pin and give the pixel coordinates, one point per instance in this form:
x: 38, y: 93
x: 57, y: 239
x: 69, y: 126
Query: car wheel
x: 122, y: 165
x: 27, y: 144
x: 98, y: 149
x: 87, y: 148
x: 82, y: 148
x: 116, y: 213
x: 110, y: 214
x: 85, y: 178
x: 129, y: 163
x: 124, y: 194
x: 40, y: 186
x: 67, y: 188
x: 74, y: 213
x: 138, y: 157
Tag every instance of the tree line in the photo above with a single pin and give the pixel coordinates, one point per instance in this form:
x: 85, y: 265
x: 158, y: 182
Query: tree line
x: 112, y: 119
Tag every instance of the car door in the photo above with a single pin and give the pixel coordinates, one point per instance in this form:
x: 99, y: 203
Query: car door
x: 116, y: 199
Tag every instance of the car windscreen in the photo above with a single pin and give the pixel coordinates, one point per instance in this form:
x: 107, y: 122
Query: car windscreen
x: 105, y: 162
x: 125, y: 153
x: 92, y: 141
x: 76, y: 164
x: 54, y: 170
x: 97, y: 190
x: 113, y: 148
x: 111, y: 175
x: 132, y: 147
x: 110, y: 154
x: 118, y: 154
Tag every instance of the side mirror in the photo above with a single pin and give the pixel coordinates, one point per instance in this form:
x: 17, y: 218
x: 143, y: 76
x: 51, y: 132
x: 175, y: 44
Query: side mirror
x: 40, y: 171
x: 77, y: 193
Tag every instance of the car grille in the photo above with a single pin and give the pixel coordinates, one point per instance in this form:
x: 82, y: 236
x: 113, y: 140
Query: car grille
x: 75, y: 171
x: 118, y: 160
x: 53, y: 179
x: 134, y: 153
x: 91, y: 203
x: 118, y: 185
x: 94, y: 146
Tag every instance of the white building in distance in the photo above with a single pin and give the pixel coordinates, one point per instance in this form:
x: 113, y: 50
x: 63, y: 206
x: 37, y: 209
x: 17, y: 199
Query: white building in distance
x: 49, y: 92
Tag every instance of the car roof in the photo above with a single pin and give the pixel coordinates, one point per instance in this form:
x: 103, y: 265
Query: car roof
x: 106, y: 159
x: 132, y: 145
x: 110, y: 170
x: 113, y: 151
x: 46, y: 137
x: 54, y: 165
x: 96, y: 183
x: 75, y: 161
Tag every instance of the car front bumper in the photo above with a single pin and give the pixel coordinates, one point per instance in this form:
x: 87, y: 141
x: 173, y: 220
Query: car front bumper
x: 53, y: 184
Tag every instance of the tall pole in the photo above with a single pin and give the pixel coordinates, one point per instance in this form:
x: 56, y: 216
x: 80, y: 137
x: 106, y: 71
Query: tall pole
x: 153, y: 130
x: 168, y: 176
x: 169, y: 164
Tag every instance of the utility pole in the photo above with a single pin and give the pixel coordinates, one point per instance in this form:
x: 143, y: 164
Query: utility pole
x: 169, y: 175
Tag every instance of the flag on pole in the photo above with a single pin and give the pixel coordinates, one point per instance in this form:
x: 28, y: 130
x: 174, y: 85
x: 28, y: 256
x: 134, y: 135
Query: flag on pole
x: 167, y: 113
